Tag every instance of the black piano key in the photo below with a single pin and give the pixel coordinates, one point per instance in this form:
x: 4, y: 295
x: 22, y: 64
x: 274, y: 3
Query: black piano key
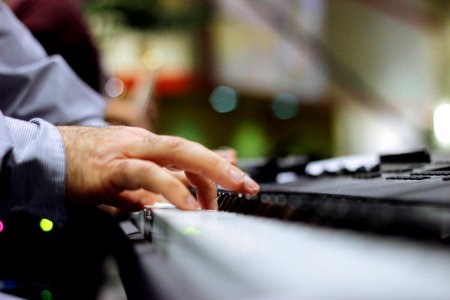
x: 337, y: 211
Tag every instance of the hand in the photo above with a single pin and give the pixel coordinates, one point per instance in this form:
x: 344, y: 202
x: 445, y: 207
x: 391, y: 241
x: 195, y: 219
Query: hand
x: 127, y: 167
x: 228, y: 154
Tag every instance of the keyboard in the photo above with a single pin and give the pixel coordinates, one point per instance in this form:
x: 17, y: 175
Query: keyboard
x: 406, y: 194
x: 346, y: 228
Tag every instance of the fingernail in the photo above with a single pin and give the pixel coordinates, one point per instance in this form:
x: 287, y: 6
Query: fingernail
x: 192, y: 202
x: 236, y: 174
x: 250, y: 184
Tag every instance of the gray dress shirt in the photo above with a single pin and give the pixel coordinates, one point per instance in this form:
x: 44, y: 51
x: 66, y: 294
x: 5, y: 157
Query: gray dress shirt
x: 36, y: 87
x: 33, y: 169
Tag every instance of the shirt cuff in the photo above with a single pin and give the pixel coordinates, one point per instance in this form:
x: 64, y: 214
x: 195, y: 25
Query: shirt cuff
x: 37, y: 170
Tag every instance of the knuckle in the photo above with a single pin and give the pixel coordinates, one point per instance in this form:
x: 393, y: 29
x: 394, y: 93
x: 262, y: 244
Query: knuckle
x: 174, y: 142
x: 150, y: 139
x: 121, y: 170
x: 118, y: 174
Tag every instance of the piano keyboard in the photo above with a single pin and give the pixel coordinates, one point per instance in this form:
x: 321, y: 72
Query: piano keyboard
x: 227, y: 255
x: 298, y: 240
x: 405, y: 194
x: 342, y: 211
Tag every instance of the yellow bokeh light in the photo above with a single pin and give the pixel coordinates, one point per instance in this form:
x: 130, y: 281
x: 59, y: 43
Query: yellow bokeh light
x: 153, y: 59
x: 46, y: 225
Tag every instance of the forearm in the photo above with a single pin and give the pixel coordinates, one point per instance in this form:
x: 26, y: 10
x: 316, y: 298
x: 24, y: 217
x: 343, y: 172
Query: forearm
x: 33, y: 170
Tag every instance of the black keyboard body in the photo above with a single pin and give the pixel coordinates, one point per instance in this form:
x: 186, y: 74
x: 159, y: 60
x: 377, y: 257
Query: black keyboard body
x: 407, y: 194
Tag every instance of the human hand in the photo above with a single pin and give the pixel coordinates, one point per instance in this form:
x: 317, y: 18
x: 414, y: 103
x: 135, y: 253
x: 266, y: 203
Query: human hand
x: 126, y: 167
x: 229, y: 154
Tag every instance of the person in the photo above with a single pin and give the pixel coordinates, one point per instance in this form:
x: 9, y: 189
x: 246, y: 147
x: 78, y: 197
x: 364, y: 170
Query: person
x: 59, y: 160
x: 60, y: 28
x: 43, y: 166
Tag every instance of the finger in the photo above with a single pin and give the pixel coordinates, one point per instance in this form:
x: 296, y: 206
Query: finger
x: 206, y: 190
x: 134, y: 174
x: 190, y: 156
x: 132, y: 200
x: 228, y: 154
x: 111, y: 210
x: 160, y: 198
x: 181, y: 176
x: 141, y: 197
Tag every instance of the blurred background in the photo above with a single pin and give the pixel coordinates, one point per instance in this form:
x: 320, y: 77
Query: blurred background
x: 275, y: 77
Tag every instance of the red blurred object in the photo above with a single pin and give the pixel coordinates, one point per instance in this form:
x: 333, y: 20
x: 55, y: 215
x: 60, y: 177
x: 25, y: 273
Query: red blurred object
x: 129, y: 81
x: 175, y: 85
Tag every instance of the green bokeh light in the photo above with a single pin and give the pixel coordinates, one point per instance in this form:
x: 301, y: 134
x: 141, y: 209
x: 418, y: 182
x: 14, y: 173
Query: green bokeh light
x: 250, y: 141
x: 189, y: 129
x: 190, y: 230
x: 46, y: 295
x: 46, y: 225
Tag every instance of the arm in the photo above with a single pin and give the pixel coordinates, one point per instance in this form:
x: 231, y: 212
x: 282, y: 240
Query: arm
x: 33, y: 169
x: 124, y: 167
x: 33, y: 84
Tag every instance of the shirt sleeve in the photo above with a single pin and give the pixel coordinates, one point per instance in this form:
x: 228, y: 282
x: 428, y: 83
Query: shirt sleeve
x: 33, y: 169
x: 34, y: 85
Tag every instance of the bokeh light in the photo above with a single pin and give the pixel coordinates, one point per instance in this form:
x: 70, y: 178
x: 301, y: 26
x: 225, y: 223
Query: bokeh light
x: 46, y: 295
x: 250, y: 140
x: 224, y: 99
x: 190, y: 230
x: 442, y: 124
x: 46, y: 225
x: 153, y: 59
x: 285, y: 106
x: 114, y: 87
x: 190, y: 130
x: 1, y: 226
